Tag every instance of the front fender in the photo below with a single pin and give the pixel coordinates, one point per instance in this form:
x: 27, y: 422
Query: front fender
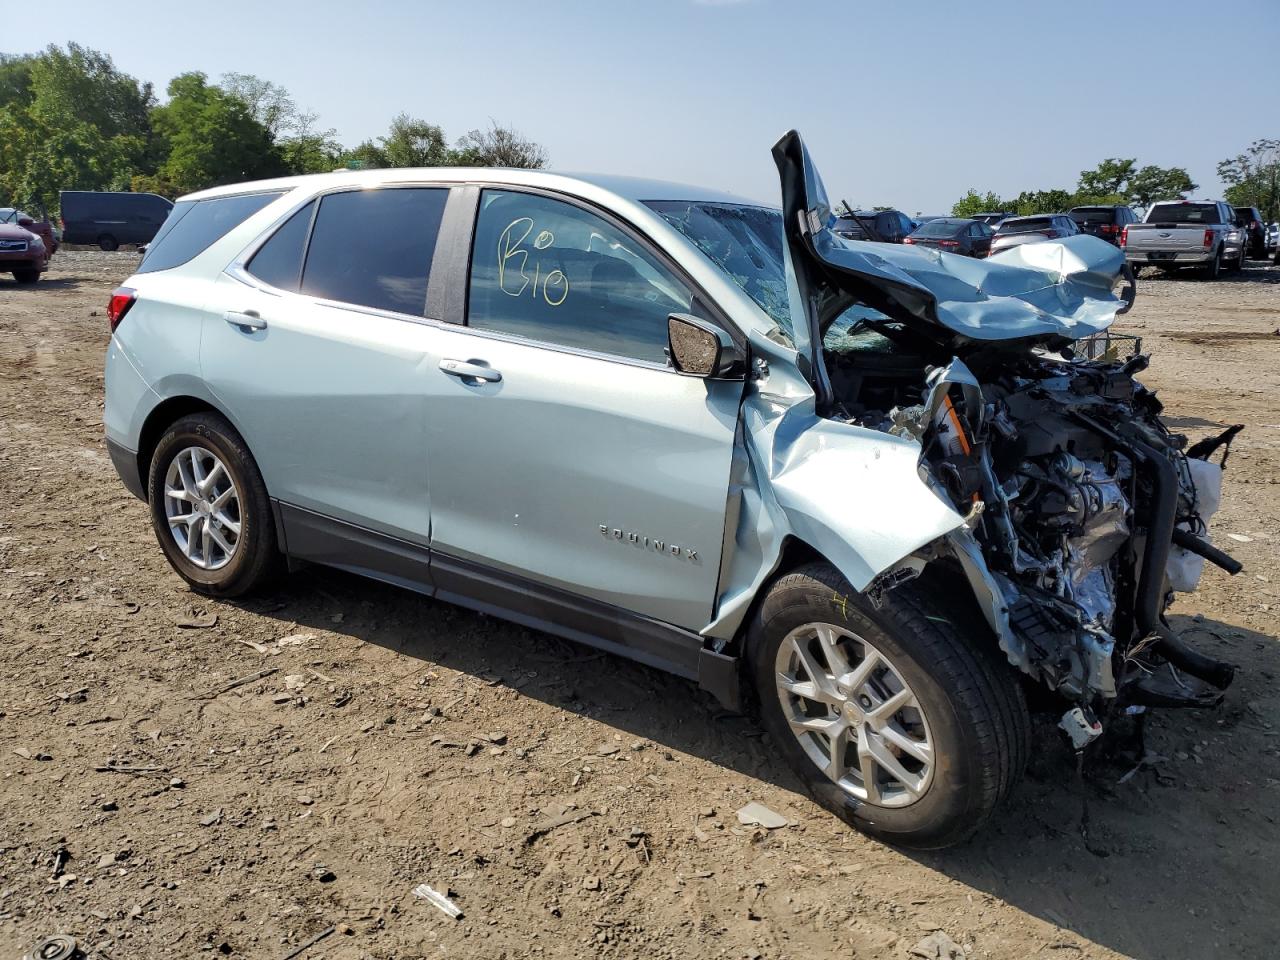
x: 852, y: 494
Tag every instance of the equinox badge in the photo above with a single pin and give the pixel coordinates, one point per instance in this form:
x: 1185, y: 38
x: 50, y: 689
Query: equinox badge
x: 661, y: 546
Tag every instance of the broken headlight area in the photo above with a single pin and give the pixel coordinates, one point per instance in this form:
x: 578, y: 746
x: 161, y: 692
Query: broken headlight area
x: 1088, y: 513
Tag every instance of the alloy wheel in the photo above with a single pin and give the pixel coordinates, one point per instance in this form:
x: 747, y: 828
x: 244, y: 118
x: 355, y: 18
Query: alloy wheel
x: 202, y: 507
x: 854, y: 715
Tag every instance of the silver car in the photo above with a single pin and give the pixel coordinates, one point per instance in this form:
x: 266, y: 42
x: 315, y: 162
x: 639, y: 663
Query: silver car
x: 868, y: 491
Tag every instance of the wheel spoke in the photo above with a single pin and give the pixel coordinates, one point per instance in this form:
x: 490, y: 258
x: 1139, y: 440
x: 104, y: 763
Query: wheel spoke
x: 191, y: 540
x: 859, y: 675
x: 222, y: 499
x: 884, y: 757
x: 823, y: 687
x: 206, y: 539
x: 828, y: 726
x: 197, y: 469
x: 208, y: 482
x: 884, y: 712
x: 177, y: 494
x: 836, y: 745
x: 830, y: 644
x: 867, y: 767
x: 187, y: 518
x: 212, y: 531
x: 227, y: 523
x: 188, y: 484
x: 920, y: 750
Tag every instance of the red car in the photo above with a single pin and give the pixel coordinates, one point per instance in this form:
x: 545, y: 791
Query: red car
x: 40, y: 225
x: 22, y: 253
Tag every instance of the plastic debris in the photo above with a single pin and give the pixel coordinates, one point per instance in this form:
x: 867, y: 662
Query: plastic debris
x: 438, y: 899
x: 938, y: 946
x: 757, y: 814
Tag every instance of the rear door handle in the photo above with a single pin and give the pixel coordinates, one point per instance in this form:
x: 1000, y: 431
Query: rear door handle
x: 465, y: 370
x: 246, y: 320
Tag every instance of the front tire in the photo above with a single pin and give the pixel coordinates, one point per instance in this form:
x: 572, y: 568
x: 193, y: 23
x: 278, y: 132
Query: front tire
x: 108, y: 242
x: 209, y: 508
x: 895, y: 719
x: 26, y: 276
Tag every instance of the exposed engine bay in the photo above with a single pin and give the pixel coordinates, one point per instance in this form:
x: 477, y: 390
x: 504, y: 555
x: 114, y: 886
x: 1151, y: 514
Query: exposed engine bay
x: 1087, y: 512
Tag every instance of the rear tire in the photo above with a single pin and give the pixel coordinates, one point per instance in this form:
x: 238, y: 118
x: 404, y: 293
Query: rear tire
x: 108, y: 242
x: 202, y: 470
x: 961, y: 741
x: 26, y: 276
x: 1214, y: 270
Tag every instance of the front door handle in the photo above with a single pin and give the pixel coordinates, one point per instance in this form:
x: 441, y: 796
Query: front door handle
x: 246, y: 320
x: 469, y: 371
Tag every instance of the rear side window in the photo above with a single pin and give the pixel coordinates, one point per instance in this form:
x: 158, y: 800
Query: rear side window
x: 552, y: 272
x: 278, y: 262
x: 193, y: 225
x: 373, y: 248
x: 1094, y: 215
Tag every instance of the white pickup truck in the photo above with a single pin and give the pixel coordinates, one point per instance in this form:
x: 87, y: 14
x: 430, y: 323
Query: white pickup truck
x: 1186, y: 233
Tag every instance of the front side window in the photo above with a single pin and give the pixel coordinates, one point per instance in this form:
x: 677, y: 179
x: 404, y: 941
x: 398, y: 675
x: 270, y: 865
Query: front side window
x: 194, y: 225
x: 373, y: 248
x: 552, y: 272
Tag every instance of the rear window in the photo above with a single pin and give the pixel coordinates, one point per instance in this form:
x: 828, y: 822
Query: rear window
x: 1184, y: 213
x: 373, y: 248
x: 939, y: 228
x: 193, y: 225
x: 279, y: 260
x: 1100, y: 215
x: 1029, y: 225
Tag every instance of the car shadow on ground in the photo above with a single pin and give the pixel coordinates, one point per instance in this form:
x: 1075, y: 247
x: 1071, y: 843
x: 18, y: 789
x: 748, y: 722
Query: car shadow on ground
x: 8, y: 284
x: 1255, y: 271
x: 1103, y: 853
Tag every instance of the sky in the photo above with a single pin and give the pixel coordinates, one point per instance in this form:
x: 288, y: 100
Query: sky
x: 904, y: 103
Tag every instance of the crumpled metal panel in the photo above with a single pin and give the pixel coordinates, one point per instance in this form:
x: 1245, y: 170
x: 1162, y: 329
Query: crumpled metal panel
x: 1038, y: 290
x: 853, y: 494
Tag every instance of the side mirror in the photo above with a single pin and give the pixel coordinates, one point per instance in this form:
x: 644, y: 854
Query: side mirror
x: 697, y: 348
x: 26, y: 222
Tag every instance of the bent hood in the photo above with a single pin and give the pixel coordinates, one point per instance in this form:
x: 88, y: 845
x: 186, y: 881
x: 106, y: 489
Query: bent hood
x: 1044, y: 292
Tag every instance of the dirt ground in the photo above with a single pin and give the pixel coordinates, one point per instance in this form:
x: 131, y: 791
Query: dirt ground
x: 400, y: 741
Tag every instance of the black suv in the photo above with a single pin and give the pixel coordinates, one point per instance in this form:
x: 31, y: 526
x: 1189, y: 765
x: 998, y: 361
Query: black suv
x: 1249, y: 219
x: 881, y: 226
x: 1104, y: 222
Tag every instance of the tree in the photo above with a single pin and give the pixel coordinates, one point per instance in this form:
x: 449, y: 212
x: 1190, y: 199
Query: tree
x: 1253, y: 178
x: 303, y: 148
x: 1118, y: 180
x: 974, y: 202
x: 499, y: 147
x: 210, y: 138
x: 1030, y: 202
x: 70, y: 120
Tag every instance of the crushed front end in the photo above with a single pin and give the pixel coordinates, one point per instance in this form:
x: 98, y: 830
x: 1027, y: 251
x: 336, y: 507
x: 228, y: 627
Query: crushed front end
x: 1088, y: 513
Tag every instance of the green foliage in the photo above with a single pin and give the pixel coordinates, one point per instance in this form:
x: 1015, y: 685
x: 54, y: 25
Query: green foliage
x: 70, y: 120
x: 975, y: 202
x: 1030, y: 202
x: 1253, y: 178
x: 499, y: 147
x: 1122, y: 178
x: 210, y: 138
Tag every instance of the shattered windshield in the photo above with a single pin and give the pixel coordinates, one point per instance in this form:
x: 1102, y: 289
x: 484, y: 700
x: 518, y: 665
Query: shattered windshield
x: 743, y: 241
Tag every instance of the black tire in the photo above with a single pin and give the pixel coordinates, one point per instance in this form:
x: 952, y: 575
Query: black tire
x: 1214, y: 270
x: 108, y: 242
x: 256, y: 557
x: 26, y: 276
x: 975, y: 711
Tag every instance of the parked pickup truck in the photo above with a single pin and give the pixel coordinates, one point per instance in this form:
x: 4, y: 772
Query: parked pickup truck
x: 1185, y: 233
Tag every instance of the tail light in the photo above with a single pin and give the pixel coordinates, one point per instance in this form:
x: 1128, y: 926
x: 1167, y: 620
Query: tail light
x: 948, y: 243
x: 122, y: 299
x: 1208, y: 239
x: 1110, y: 228
x: 1124, y: 236
x: 907, y: 240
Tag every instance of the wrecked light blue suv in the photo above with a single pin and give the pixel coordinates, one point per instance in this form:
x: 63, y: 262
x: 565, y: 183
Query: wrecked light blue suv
x: 870, y: 491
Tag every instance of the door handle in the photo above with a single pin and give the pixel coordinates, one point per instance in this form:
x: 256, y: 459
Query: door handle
x: 246, y: 320
x: 465, y: 370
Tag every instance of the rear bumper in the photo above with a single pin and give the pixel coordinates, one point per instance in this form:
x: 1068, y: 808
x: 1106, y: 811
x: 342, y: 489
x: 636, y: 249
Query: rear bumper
x: 126, y: 463
x: 1182, y: 258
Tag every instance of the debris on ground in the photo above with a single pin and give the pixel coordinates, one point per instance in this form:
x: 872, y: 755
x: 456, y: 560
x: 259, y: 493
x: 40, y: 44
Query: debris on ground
x: 758, y: 815
x: 438, y: 899
x: 559, y: 820
x: 197, y: 623
x: 938, y: 946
